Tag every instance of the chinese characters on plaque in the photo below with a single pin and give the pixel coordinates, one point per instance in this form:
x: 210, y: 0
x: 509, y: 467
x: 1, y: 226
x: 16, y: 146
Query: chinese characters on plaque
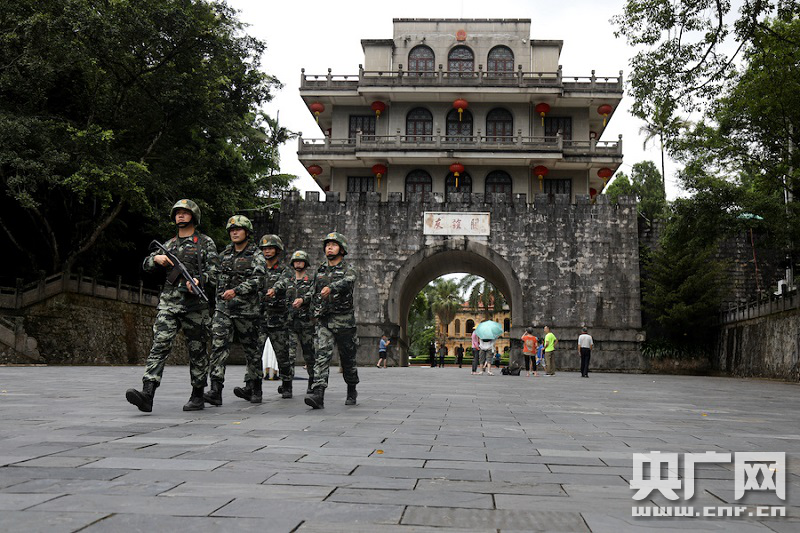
x: 437, y: 223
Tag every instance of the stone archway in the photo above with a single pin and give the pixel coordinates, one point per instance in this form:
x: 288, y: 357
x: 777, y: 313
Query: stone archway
x: 451, y: 256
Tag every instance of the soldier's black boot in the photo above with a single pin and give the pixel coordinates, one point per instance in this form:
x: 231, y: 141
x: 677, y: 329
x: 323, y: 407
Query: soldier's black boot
x: 317, y: 398
x: 144, y: 399
x: 244, y: 393
x: 310, y: 388
x: 287, y: 389
x: 351, y: 395
x: 214, y: 396
x: 256, y: 395
x: 196, y: 401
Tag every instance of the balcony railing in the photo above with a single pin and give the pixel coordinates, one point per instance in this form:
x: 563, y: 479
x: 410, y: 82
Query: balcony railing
x: 518, y: 143
x: 444, y: 78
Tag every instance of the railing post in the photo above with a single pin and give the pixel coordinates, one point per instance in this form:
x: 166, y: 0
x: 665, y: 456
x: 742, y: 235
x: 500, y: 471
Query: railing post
x: 141, y: 290
x: 592, y: 145
x: 326, y: 141
x: 519, y: 138
x: 520, y: 75
x: 360, y: 72
x: 329, y: 78
x: 478, y: 141
x: 299, y: 142
x: 559, y: 74
x: 560, y: 141
x: 594, y: 79
x: 480, y: 74
x: 80, y: 278
x: 619, y: 145
x: 400, y: 70
x: 441, y: 74
x: 302, y: 77
x: 397, y: 138
x: 438, y: 137
x: 358, y: 139
x: 119, y: 287
x: 620, y: 82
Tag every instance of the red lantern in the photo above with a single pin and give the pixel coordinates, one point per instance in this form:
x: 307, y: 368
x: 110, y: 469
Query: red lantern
x: 592, y: 192
x: 314, y: 170
x: 605, y: 110
x: 461, y: 105
x: 605, y: 173
x: 456, y: 169
x: 542, y: 109
x: 541, y: 171
x: 317, y: 108
x: 379, y: 171
x: 379, y: 107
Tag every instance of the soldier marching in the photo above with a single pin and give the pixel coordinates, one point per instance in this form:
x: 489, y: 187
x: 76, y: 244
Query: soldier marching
x: 255, y: 297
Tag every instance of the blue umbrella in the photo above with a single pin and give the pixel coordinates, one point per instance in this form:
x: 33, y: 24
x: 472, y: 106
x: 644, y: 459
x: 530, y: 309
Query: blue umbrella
x: 489, y: 329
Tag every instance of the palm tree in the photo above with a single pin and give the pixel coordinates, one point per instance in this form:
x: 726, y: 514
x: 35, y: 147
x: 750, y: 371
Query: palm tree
x: 662, y: 126
x: 445, y: 302
x: 481, y: 295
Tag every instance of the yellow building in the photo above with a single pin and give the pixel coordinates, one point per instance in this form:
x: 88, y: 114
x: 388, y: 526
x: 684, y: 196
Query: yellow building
x: 460, y: 329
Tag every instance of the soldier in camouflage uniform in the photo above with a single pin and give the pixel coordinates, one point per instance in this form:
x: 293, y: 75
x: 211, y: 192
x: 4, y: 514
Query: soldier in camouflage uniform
x: 332, y: 302
x: 274, y: 310
x: 178, y: 307
x: 301, y: 324
x: 239, y: 280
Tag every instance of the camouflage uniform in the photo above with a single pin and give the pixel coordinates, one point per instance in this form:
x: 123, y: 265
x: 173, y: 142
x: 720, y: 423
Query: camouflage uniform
x: 336, y: 322
x: 274, y: 319
x: 300, y: 321
x: 238, y: 317
x: 178, y: 308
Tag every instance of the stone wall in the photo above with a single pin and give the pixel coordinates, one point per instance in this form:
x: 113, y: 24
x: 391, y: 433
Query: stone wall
x: 560, y: 264
x: 77, y: 329
x: 767, y: 346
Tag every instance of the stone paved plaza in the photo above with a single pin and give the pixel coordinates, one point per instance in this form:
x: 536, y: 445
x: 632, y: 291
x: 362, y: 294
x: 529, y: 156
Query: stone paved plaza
x: 425, y: 450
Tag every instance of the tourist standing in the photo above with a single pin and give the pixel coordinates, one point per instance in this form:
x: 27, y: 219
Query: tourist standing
x: 460, y: 355
x: 382, y: 346
x: 179, y: 307
x: 550, y: 342
x: 476, y: 350
x: 529, y: 346
x: 485, y: 355
x: 442, y: 354
x: 238, y: 311
x: 585, y: 345
x: 332, y: 302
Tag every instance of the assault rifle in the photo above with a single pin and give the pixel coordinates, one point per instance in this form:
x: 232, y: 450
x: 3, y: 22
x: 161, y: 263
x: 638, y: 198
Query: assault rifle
x: 179, y: 269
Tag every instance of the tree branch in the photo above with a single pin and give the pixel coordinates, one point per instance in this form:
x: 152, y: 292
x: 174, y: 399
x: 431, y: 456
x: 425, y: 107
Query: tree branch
x: 91, y: 239
x: 26, y: 252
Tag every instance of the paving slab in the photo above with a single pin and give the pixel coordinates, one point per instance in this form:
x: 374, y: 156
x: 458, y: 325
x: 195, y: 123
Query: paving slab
x: 422, y: 452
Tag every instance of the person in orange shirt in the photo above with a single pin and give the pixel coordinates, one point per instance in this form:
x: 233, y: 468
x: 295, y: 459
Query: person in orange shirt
x: 529, y: 345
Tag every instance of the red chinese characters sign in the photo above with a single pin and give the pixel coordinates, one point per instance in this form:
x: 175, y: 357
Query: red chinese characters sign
x: 441, y: 223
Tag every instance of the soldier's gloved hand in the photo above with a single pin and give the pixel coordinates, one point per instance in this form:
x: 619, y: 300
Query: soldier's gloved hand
x: 229, y: 294
x: 189, y: 285
x: 163, y: 260
x: 325, y: 292
x: 271, y: 293
x: 297, y: 303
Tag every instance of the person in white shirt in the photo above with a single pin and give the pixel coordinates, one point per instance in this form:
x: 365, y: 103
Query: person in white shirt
x: 487, y: 349
x: 585, y: 345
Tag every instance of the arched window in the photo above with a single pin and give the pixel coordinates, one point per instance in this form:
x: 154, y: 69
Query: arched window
x: 459, y: 130
x: 470, y: 326
x: 419, y: 125
x: 500, y: 61
x: 421, y: 61
x: 418, y: 181
x: 499, y: 125
x: 461, y: 62
x: 458, y: 327
x: 498, y: 181
x: 464, y: 184
x: 507, y: 325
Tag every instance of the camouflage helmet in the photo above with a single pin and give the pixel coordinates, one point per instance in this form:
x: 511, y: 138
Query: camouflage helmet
x: 239, y: 221
x: 271, y: 240
x: 300, y: 255
x: 338, y: 238
x: 188, y: 205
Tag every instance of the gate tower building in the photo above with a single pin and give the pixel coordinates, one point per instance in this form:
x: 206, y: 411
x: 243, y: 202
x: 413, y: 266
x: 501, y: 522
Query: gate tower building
x: 460, y: 146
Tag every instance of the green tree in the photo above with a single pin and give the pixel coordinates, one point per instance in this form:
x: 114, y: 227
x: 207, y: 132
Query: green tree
x: 111, y: 111
x: 445, y: 302
x: 481, y: 295
x: 421, y: 325
x: 646, y: 184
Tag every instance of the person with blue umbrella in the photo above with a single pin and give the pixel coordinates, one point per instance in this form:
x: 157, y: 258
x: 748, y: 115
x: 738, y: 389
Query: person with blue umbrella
x: 487, y: 331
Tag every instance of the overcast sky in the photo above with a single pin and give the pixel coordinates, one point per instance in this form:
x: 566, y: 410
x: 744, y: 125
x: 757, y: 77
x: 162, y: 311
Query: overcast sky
x: 317, y: 35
